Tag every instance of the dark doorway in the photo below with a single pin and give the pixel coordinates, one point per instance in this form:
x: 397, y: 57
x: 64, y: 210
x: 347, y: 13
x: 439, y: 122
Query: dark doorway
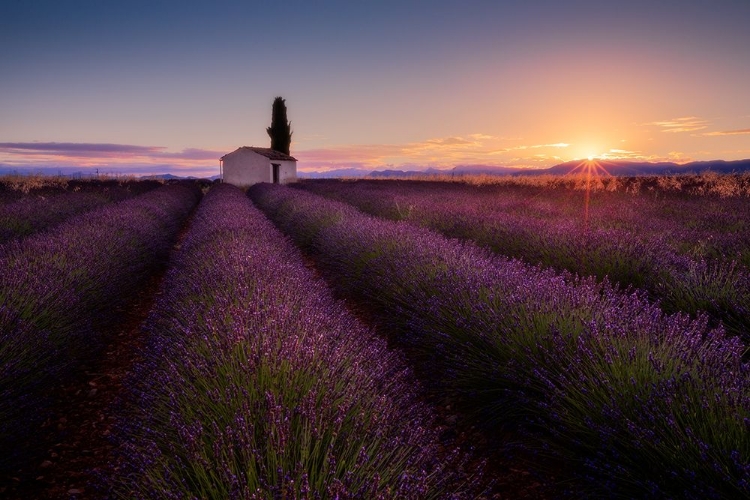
x: 275, y: 167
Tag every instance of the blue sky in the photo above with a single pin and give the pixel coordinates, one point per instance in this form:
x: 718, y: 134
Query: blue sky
x: 169, y: 86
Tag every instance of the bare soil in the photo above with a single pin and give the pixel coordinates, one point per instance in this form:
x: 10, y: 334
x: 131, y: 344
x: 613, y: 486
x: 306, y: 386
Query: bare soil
x: 78, y: 433
x: 78, y: 430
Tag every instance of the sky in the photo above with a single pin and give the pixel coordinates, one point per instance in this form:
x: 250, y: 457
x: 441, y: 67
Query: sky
x: 158, y: 86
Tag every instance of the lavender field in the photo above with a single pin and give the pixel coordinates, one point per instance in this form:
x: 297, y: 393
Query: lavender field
x: 641, y: 400
x: 689, y: 251
x: 382, y: 339
x: 60, y: 289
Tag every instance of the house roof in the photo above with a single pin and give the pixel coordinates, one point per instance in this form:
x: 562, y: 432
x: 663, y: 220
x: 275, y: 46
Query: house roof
x: 269, y: 153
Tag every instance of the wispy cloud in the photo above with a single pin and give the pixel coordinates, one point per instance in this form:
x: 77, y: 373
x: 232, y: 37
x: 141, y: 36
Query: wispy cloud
x: 105, y: 150
x: 622, y: 154
x: 76, y: 148
x: 450, y: 141
x: 616, y: 154
x: 744, y: 131
x: 533, y: 146
x: 436, y: 152
x: 54, y: 168
x: 679, y: 157
x: 684, y: 124
x: 537, y: 146
x: 480, y: 137
x: 361, y: 152
x: 125, y: 158
x: 441, y: 152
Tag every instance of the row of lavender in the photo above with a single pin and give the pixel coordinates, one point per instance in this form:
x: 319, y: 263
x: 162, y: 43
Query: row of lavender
x: 690, y: 253
x: 257, y: 384
x: 697, y: 226
x: 59, y: 290
x: 642, y: 403
x: 41, y: 208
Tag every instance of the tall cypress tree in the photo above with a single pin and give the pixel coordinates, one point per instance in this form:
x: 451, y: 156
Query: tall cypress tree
x: 280, y: 130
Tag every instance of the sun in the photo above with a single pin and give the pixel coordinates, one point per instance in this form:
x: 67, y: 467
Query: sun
x: 593, y: 156
x: 589, y: 150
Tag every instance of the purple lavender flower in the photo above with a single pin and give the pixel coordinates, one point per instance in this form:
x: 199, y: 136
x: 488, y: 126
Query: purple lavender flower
x: 58, y: 292
x: 256, y: 383
x: 645, y: 403
x: 690, y: 253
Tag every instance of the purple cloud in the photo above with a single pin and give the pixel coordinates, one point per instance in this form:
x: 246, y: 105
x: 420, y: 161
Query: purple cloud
x: 106, y: 157
x: 77, y: 148
x: 194, y: 154
x: 105, y: 150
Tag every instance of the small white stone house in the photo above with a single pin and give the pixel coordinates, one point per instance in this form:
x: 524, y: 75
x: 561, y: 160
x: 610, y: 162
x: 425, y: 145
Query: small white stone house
x: 246, y: 166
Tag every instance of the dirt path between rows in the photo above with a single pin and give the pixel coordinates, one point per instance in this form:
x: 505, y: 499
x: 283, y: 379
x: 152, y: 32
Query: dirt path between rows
x: 79, y: 427
x: 78, y: 432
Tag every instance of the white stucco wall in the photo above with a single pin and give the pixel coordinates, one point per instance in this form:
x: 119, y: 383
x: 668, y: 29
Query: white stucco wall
x: 287, y: 171
x: 245, y: 168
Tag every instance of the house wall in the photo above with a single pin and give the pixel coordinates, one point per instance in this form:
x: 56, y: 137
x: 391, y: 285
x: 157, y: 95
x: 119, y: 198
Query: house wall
x: 287, y: 171
x: 245, y: 168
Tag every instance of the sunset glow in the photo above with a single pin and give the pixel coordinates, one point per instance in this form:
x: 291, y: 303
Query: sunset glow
x: 494, y: 85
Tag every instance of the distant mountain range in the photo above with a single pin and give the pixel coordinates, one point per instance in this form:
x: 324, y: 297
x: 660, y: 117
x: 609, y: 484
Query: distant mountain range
x: 167, y: 177
x: 612, y: 167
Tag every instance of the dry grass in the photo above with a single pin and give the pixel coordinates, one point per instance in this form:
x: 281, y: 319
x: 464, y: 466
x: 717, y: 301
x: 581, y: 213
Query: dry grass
x: 28, y: 183
x: 704, y: 184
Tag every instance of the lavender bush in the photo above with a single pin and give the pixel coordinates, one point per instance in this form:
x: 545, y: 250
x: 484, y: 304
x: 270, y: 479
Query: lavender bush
x: 43, y: 207
x: 30, y: 215
x: 257, y: 384
x: 641, y: 404
x: 690, y: 253
x: 59, y: 289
